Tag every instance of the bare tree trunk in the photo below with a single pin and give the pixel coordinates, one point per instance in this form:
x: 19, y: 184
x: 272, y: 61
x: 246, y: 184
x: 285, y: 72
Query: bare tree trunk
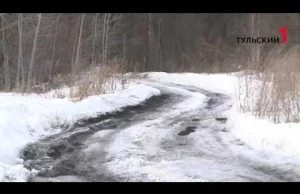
x: 20, y: 65
x: 53, y: 49
x: 149, y: 38
x: 124, y: 47
x: 5, y: 57
x: 7, y: 73
x: 33, y: 52
x: 147, y: 43
x: 104, y: 41
x: 159, y: 46
x: 94, y: 39
x: 255, y: 50
x: 252, y: 27
x: 40, y: 73
x: 257, y: 57
x: 34, y: 80
x: 79, y: 45
x: 75, y: 44
x: 106, y: 37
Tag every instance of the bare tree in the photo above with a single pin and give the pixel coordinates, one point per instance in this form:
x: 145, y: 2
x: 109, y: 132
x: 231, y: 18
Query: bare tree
x: 5, y: 57
x: 159, y: 45
x: 54, y: 44
x: 20, y: 64
x: 66, y: 43
x: 255, y: 51
x: 104, y: 37
x: 29, y: 79
x: 78, y: 46
x: 94, y: 38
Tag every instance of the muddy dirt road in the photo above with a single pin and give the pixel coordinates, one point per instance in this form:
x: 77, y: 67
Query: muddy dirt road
x: 178, y: 136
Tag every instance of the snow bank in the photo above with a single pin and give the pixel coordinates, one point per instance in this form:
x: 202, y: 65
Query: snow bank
x: 277, y: 139
x: 111, y: 85
x: 24, y: 119
x: 221, y: 83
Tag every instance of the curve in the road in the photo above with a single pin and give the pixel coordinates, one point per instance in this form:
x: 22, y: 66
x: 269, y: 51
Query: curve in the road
x: 198, y: 144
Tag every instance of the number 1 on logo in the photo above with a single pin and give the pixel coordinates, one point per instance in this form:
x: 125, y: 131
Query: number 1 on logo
x: 283, y: 32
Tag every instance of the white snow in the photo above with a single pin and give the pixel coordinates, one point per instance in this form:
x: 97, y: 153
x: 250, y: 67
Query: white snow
x: 24, y: 119
x: 277, y: 139
x: 221, y: 83
x: 136, y: 151
x: 150, y: 151
x: 138, y: 154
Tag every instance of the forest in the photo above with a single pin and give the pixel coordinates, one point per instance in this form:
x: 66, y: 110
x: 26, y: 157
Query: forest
x: 37, y: 48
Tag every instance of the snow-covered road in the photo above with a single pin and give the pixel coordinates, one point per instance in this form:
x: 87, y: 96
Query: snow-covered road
x: 181, y: 135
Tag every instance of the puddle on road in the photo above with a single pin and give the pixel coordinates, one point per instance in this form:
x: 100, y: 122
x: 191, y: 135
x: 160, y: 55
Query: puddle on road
x: 187, y: 131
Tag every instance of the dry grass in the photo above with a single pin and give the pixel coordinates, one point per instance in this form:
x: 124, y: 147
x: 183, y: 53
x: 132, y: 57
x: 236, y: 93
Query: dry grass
x: 59, y: 94
x: 273, y: 91
x: 100, y: 80
x: 61, y: 80
x: 95, y: 80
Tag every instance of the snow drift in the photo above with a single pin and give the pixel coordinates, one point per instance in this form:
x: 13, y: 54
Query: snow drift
x: 25, y: 119
x: 261, y: 134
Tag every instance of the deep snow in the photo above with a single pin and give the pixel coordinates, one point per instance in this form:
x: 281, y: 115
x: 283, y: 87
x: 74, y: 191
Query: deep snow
x: 221, y: 83
x: 136, y: 151
x: 261, y: 134
x: 24, y: 119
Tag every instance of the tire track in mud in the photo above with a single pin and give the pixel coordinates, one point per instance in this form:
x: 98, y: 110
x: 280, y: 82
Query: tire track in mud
x: 201, y: 119
x: 63, y: 154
